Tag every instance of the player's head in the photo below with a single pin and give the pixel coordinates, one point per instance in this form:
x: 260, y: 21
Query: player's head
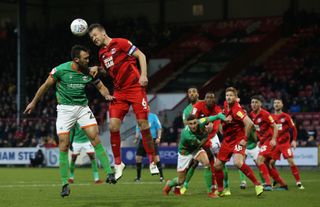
x: 231, y: 95
x: 80, y: 55
x: 97, y: 34
x: 278, y: 104
x: 193, y: 94
x: 209, y: 99
x: 256, y: 102
x: 192, y: 122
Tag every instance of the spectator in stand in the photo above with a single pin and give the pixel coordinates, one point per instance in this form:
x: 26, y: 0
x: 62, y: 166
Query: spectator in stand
x: 312, y: 137
x: 50, y: 142
x: 302, y: 136
x: 295, y: 107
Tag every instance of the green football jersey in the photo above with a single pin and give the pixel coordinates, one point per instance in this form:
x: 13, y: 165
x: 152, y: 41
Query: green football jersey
x: 252, y: 140
x: 192, y: 141
x: 77, y: 135
x: 186, y: 112
x: 70, y: 85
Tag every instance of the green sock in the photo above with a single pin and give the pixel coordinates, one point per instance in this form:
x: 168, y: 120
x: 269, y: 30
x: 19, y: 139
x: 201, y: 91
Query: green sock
x: 103, y: 157
x: 208, y: 178
x: 188, y: 177
x: 226, y: 179
x: 72, y: 166
x: 173, y: 182
x: 94, y: 167
x: 242, y: 176
x: 63, y: 166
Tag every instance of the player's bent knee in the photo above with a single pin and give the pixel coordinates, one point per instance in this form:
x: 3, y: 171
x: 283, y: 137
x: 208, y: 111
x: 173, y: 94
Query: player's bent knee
x: 143, y: 124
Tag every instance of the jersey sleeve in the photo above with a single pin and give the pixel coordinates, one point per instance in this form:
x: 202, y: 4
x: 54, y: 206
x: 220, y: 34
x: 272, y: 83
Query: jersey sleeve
x: 55, y: 73
x: 196, y: 109
x: 269, y: 118
x: 127, y: 46
x: 293, y: 128
x: 238, y: 113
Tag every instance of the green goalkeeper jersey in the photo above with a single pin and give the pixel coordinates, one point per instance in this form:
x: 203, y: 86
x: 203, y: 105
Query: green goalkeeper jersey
x: 192, y: 141
x: 70, y: 85
x: 77, y: 135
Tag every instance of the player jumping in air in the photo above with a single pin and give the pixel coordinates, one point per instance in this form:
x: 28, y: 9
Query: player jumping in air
x: 118, y: 59
x: 70, y: 79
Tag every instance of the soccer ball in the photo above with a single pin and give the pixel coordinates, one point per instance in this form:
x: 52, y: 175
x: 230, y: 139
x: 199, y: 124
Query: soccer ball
x: 79, y: 27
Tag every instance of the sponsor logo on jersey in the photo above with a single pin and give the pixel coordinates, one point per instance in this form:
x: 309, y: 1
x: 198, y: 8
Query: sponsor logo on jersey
x: 279, y: 126
x: 85, y: 78
x: 108, y: 62
x: 240, y: 114
x: 257, y: 127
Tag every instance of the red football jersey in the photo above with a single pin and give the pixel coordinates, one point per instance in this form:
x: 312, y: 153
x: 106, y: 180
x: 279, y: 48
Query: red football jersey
x: 117, y: 59
x: 284, y: 124
x: 262, y: 123
x: 235, y: 130
x: 200, y: 110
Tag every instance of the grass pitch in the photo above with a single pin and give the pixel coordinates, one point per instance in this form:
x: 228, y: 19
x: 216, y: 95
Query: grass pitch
x: 41, y: 187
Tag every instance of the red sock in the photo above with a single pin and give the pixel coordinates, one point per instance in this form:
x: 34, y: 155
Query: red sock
x: 295, y: 172
x: 219, y: 178
x: 249, y: 173
x: 265, y: 173
x: 115, y: 144
x: 212, y: 172
x: 147, y: 142
x: 275, y: 175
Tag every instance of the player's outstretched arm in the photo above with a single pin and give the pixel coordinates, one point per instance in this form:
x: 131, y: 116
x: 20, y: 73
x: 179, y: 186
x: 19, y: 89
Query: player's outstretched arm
x: 143, y: 66
x: 95, y: 70
x: 273, y: 141
x: 41, y: 91
x: 104, y: 91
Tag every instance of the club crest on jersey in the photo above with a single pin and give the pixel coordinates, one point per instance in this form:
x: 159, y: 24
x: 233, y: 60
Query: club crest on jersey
x: 282, y: 120
x: 259, y: 120
x: 113, y: 51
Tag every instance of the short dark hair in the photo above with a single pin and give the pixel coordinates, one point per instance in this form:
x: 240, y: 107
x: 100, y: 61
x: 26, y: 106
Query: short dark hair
x: 191, y: 117
x: 192, y: 87
x: 76, y: 49
x: 279, y: 99
x: 210, y: 92
x: 257, y: 97
x: 96, y: 25
x: 232, y: 89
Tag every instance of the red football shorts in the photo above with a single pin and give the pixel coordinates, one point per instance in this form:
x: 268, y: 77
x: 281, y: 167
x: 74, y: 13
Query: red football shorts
x: 266, y: 150
x: 285, y: 150
x: 136, y: 97
x: 228, y: 149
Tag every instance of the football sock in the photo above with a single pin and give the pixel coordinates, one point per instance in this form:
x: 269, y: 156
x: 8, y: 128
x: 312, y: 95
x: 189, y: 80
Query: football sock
x: 265, y: 173
x: 72, y: 166
x: 189, y: 175
x: 139, y: 165
x: 208, y: 178
x: 226, y: 177
x: 276, y: 176
x: 213, y: 175
x: 261, y: 177
x: 103, y: 157
x: 94, y: 167
x: 115, y: 140
x: 220, y: 177
x: 173, y: 182
x: 159, y: 166
x: 295, y: 172
x: 147, y: 142
x: 63, y: 166
x: 249, y: 173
